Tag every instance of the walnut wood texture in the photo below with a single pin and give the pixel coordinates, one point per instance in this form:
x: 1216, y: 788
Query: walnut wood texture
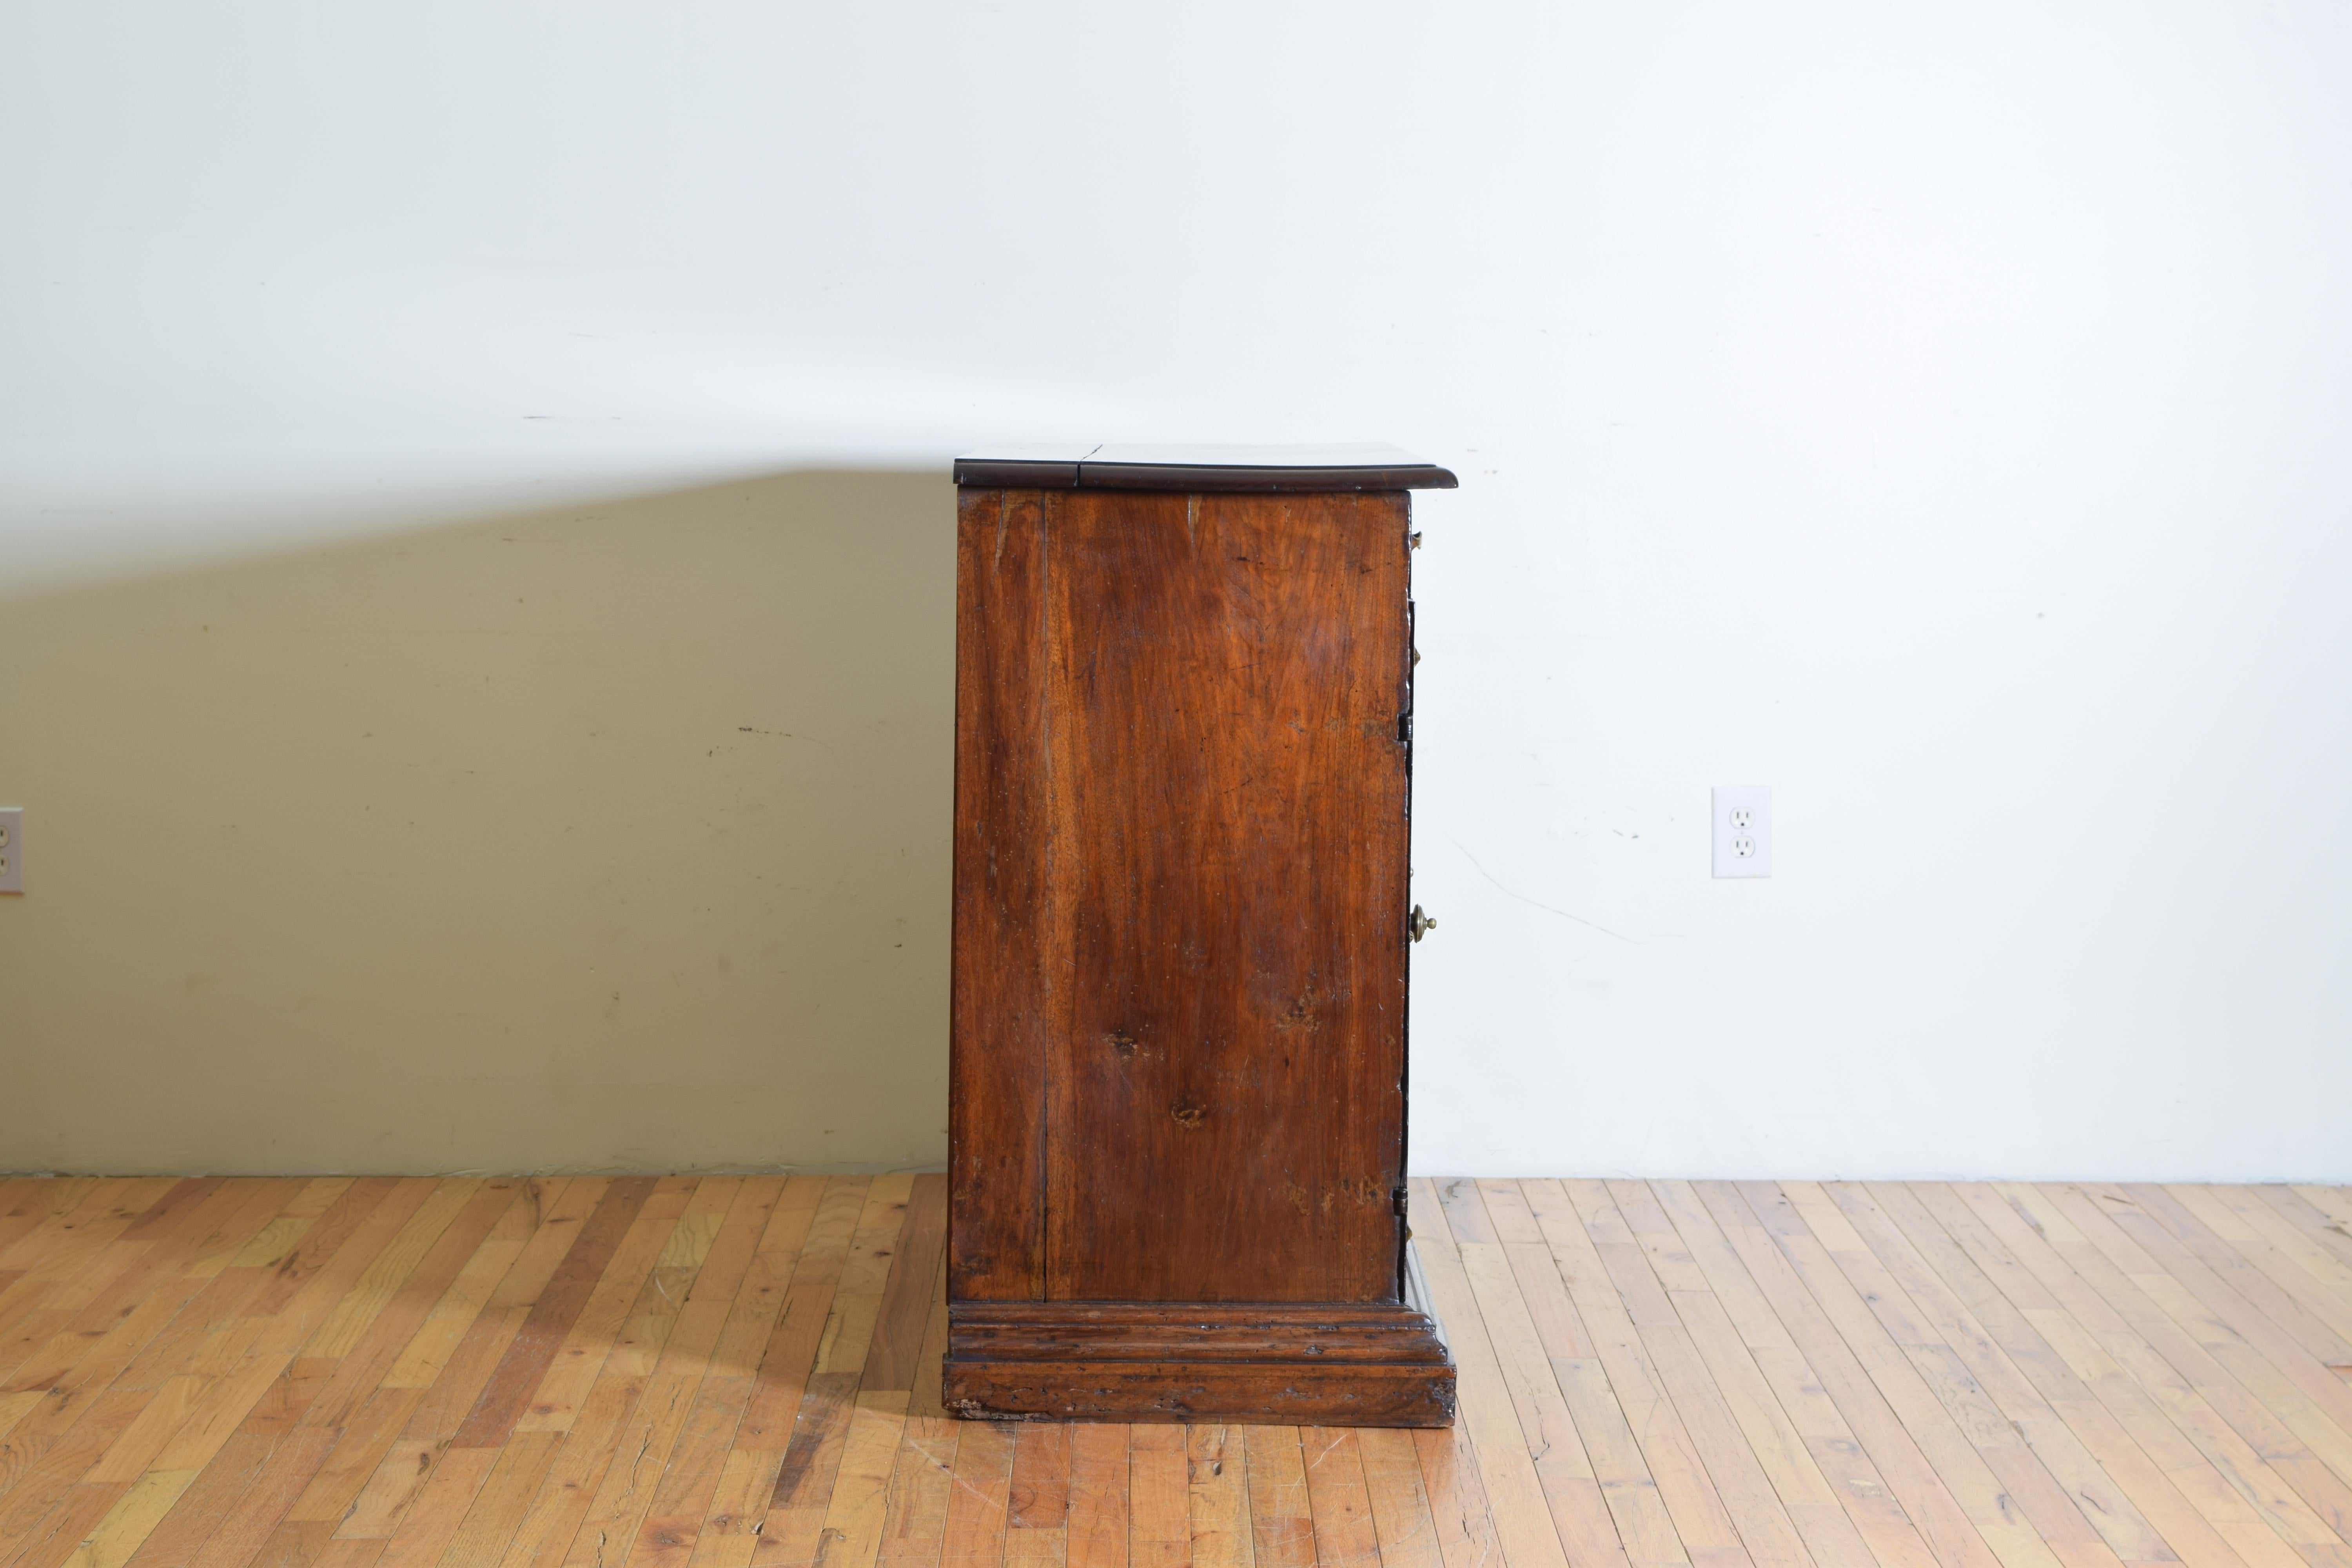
x: 1286, y: 1362
x: 1179, y: 1014
x: 1005, y: 1003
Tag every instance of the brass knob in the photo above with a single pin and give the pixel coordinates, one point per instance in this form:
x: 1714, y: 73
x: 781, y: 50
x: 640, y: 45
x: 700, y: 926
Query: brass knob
x: 1421, y: 925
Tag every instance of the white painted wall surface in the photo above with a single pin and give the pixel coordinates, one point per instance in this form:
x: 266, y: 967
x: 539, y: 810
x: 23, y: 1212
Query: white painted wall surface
x: 1941, y: 414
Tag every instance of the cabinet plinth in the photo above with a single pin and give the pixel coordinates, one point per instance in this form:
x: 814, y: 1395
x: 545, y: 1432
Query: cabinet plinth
x: 1183, y: 736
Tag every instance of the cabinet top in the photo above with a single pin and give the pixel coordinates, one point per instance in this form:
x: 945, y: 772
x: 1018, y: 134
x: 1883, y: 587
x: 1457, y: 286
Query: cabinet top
x: 1127, y: 466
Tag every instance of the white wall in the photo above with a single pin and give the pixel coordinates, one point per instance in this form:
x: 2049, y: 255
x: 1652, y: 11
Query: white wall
x: 1941, y: 414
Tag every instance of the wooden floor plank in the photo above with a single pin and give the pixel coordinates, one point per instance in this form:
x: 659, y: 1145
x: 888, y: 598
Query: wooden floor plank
x: 980, y: 1494
x: 1519, y: 1515
x: 68, y: 1238
x: 736, y: 1507
x: 1952, y: 1442
x: 69, y: 1526
x: 790, y: 1350
x: 1758, y: 1474
x: 94, y: 1347
x: 1572, y: 1490
x: 498, y: 1505
x: 1645, y: 1531
x: 1337, y: 1499
x: 1217, y: 1478
x: 2317, y: 1225
x: 1282, y: 1521
x: 1040, y: 1494
x: 905, y: 1312
x: 138, y: 1508
x: 1402, y: 1519
x: 2295, y: 1264
x: 2332, y: 1209
x: 2314, y: 1404
x: 2272, y: 1423
x: 1932, y: 1272
x: 27, y: 1202
x: 364, y: 1208
x: 1812, y: 1416
x: 554, y: 1308
x: 227, y: 1423
x: 1159, y: 1500
x: 2001, y: 1292
x: 75, y: 1378
x: 690, y: 1482
x: 590, y: 1392
x: 667, y: 1341
x: 2156, y: 1213
x: 734, y: 1371
x: 2163, y: 1384
x: 1856, y: 1401
x: 2111, y: 1383
x: 1449, y: 1468
x: 914, y: 1530
x: 1702, y: 1522
x: 598, y: 1344
x: 237, y: 1538
x: 57, y: 1268
x: 924, y: 1401
x: 2233, y: 1329
x: 2052, y: 1482
x: 1457, y: 1497
x: 266, y: 1398
x: 857, y: 1508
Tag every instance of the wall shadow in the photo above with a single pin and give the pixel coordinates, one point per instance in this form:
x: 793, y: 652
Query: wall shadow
x: 607, y: 837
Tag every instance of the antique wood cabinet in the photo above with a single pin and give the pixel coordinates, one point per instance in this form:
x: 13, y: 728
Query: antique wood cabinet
x: 1183, y: 743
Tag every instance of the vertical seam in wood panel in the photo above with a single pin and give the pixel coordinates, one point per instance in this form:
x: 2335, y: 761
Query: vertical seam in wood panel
x: 1041, y: 1264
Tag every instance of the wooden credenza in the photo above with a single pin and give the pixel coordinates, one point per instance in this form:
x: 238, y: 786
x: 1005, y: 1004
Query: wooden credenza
x: 1183, y: 769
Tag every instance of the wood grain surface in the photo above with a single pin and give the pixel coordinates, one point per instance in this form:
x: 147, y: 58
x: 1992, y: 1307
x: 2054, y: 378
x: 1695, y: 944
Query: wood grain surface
x: 1281, y: 1363
x: 1011, y: 991
x: 283, y: 1373
x: 1181, y: 843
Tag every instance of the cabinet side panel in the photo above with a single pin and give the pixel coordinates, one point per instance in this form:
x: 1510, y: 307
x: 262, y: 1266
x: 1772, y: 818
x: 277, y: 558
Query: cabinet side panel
x: 1227, y: 1102
x: 1000, y: 1005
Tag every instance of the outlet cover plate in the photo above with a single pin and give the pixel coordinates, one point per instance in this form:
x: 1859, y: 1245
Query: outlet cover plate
x: 12, y: 848
x: 1742, y: 830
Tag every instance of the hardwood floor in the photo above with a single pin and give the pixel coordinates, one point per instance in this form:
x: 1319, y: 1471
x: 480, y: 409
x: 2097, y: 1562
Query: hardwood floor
x: 589, y: 1373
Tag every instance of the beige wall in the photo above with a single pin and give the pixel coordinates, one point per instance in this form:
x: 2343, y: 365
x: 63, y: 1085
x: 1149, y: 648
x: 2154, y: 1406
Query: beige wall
x: 606, y: 838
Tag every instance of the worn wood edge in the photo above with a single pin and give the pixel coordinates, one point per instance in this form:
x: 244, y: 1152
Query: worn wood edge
x: 1309, y: 1333
x: 1203, y: 1317
x: 1418, y: 1297
x: 1190, y: 478
x: 1312, y: 1364
x: 1266, y: 1393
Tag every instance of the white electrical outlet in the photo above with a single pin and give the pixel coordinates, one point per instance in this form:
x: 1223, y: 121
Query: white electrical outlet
x: 12, y: 848
x: 1743, y: 830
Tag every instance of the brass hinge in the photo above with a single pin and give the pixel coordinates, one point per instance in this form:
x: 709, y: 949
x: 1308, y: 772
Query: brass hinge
x: 1397, y: 1198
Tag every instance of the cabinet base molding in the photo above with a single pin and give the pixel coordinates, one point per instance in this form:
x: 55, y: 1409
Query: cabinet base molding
x: 1285, y: 1363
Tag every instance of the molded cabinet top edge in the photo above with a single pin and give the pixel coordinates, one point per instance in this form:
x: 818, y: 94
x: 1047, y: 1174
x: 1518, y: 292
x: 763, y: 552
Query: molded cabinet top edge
x: 1127, y: 466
